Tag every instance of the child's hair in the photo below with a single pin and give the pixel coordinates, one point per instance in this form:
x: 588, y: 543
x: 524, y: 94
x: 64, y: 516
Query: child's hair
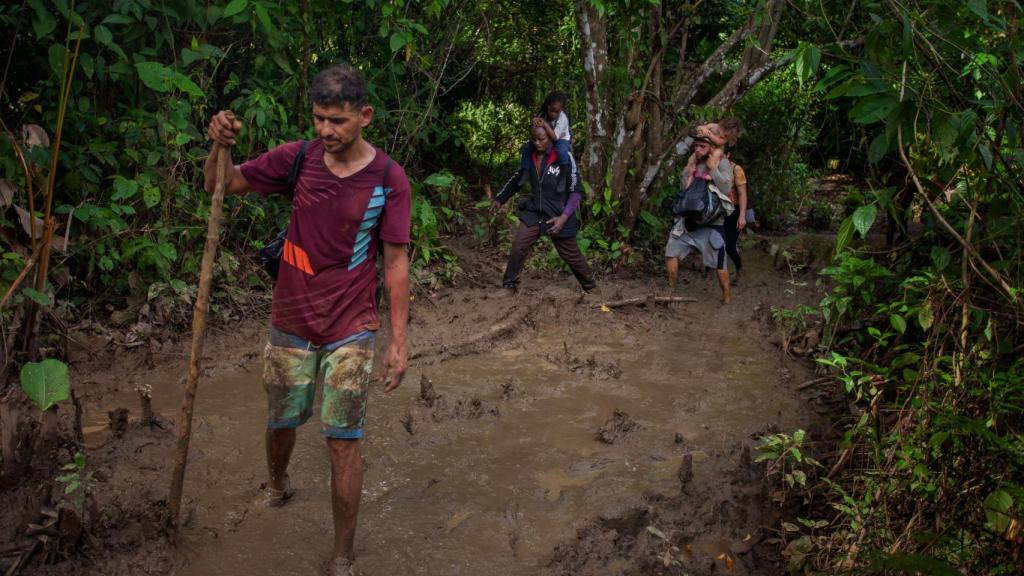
x: 551, y: 98
x: 733, y: 126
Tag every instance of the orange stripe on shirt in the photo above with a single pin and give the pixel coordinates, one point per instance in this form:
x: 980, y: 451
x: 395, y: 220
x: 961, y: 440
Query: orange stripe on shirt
x: 303, y: 261
x: 297, y: 257
x: 288, y: 257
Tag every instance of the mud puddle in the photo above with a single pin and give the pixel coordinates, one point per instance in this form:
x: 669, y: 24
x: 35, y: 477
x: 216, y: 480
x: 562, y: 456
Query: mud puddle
x: 507, y: 469
x: 492, y: 493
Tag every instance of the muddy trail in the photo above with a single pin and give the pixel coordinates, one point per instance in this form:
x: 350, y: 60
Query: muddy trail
x: 534, y: 434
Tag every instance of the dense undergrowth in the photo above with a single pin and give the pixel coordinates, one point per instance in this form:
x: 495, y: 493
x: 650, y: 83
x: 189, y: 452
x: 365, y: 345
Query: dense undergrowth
x: 925, y: 337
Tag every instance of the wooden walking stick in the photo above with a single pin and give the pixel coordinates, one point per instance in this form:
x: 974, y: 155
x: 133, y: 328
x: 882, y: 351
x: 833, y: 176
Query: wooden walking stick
x: 198, y: 331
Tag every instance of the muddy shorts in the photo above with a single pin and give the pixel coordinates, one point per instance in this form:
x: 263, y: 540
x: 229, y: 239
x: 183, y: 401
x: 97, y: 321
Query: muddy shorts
x: 293, y: 367
x: 709, y: 240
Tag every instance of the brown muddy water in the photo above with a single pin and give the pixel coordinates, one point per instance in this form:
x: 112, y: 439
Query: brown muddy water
x: 506, y: 465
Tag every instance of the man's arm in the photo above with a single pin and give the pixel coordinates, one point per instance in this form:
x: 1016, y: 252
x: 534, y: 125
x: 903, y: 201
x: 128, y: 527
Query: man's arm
x: 741, y: 221
x: 721, y: 173
x: 396, y: 279
x: 237, y: 183
x: 223, y: 130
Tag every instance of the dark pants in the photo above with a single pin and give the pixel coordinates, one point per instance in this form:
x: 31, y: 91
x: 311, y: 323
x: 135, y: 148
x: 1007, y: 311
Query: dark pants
x: 732, y: 237
x: 568, y: 249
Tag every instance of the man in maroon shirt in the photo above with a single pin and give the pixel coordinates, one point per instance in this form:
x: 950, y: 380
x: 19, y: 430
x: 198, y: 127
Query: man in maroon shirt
x: 349, y: 196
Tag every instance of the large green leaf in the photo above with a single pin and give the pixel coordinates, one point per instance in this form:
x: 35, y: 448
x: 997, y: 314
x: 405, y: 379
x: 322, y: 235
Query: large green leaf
x: 46, y: 382
x: 439, y: 179
x: 807, y: 60
x: 864, y: 217
x: 873, y: 108
x: 42, y: 21
x: 997, y: 507
x: 160, y: 78
x: 879, y: 146
x: 155, y: 76
x: 57, y: 55
x: 844, y: 235
x: 235, y: 7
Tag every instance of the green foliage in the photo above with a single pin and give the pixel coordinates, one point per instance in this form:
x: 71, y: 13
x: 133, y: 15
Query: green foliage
x: 46, y: 383
x: 778, y: 115
x: 926, y: 340
x: 493, y: 132
x: 784, y: 453
x: 77, y: 480
x: 794, y: 321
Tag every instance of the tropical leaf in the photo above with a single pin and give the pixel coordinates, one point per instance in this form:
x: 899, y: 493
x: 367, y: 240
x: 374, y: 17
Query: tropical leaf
x: 46, y: 382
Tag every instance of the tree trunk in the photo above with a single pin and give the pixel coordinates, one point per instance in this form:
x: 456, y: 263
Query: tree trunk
x: 595, y: 65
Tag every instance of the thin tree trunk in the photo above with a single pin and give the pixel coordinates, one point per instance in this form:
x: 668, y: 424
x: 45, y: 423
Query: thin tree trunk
x: 301, y: 106
x: 595, y: 64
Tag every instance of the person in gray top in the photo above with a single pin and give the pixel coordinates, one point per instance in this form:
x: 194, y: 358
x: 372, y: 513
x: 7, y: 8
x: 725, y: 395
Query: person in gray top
x: 710, y: 239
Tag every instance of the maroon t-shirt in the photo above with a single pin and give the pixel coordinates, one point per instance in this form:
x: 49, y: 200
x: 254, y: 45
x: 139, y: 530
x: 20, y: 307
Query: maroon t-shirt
x: 328, y: 275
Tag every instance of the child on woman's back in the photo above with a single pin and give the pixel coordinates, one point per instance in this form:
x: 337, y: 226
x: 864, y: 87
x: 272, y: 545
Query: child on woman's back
x: 552, y: 118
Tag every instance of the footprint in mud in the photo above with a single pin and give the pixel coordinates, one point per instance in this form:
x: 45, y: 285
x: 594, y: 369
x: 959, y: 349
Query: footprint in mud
x: 511, y: 389
x: 445, y: 407
x: 590, y: 367
x: 618, y: 425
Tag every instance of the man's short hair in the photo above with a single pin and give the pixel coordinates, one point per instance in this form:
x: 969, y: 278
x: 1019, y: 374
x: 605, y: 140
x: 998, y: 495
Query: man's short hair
x: 339, y: 85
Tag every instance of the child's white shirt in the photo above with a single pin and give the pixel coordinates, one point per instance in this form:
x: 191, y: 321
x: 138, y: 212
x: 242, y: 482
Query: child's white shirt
x: 561, y: 127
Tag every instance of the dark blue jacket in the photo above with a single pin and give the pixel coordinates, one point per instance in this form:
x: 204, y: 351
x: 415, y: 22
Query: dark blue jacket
x: 551, y: 184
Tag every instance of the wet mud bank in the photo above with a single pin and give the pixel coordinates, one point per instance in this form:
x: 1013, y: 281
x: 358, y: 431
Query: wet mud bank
x: 534, y: 434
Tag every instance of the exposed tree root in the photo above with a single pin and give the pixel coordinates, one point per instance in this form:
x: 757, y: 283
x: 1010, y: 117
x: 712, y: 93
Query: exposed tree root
x: 512, y: 322
x: 645, y: 301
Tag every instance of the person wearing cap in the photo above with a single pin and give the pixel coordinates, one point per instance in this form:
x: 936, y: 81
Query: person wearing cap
x: 709, y: 240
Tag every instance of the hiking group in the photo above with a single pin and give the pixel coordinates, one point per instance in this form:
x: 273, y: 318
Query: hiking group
x: 351, y: 201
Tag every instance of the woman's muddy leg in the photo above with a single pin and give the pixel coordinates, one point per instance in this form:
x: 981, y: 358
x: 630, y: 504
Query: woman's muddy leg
x: 522, y: 244
x: 570, y: 252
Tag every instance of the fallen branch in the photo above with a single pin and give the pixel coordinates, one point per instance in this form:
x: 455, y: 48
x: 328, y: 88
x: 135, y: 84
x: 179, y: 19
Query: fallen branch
x: 664, y: 300
x: 495, y: 331
x: 21, y: 276
x: 810, y: 383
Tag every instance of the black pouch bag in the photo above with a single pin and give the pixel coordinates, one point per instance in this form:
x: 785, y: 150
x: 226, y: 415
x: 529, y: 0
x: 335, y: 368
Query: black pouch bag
x: 270, y: 254
x: 698, y: 205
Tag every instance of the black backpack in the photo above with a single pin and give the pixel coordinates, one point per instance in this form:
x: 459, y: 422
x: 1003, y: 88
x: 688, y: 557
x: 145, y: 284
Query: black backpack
x: 270, y: 254
x: 698, y: 204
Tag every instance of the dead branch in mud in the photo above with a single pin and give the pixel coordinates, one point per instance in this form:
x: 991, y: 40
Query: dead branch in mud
x: 644, y: 301
x: 810, y: 383
x: 494, y: 332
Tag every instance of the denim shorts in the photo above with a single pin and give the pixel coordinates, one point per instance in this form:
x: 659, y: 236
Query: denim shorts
x: 293, y: 367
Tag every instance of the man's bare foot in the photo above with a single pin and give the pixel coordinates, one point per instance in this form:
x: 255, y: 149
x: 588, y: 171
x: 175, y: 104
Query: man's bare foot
x: 273, y: 497
x: 340, y: 567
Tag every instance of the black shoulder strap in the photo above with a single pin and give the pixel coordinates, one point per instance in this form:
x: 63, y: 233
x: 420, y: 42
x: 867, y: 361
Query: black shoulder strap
x: 387, y: 170
x: 293, y: 172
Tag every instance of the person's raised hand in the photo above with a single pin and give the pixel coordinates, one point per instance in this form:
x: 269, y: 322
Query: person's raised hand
x: 224, y: 128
